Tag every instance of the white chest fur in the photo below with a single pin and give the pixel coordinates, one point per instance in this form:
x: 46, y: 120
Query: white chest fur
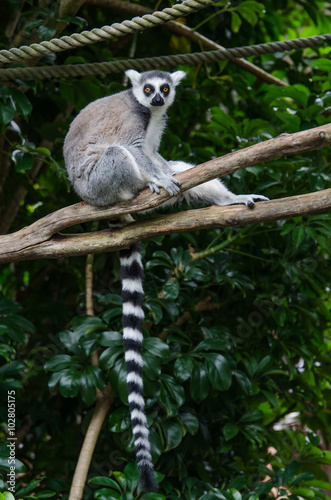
x: 154, y: 131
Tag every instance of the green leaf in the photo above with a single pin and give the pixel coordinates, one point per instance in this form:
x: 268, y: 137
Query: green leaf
x: 132, y: 476
x: 172, y: 395
x: 199, y: 385
x: 247, y: 13
x: 46, y: 32
x: 45, y: 494
x: 9, y: 307
x: 70, y: 383
x: 44, y: 151
x: 97, y: 376
x: 190, y: 422
x: 59, y: 362
x: 183, y: 368
x: 304, y: 493
x: 70, y: 339
x: 323, y: 64
x: 54, y: 379
x: 153, y: 496
x: 219, y: 371
x: 108, y: 358
x: 89, y: 343
x: 111, y: 339
x: 23, y: 161
x: 280, y: 316
x: 251, y: 416
x: 298, y: 235
x: 243, y: 381
x: 211, y: 344
x: 7, y: 496
x: 230, y: 431
x: 271, y: 398
x: 105, y: 481
x: 19, y: 321
x: 155, y: 310
x: 108, y: 494
x: 156, y: 347
x: 22, y: 104
x: 119, y: 420
x: 173, y: 433
x: 171, y: 289
x: 7, y: 112
x: 30, y: 487
x: 87, y: 388
x: 117, y: 377
x: 235, y: 22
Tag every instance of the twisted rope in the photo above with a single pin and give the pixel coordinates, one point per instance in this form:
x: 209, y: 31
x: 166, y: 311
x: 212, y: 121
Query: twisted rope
x: 104, y: 68
x: 116, y: 30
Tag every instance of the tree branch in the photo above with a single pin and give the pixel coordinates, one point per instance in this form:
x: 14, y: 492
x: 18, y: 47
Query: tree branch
x: 194, y: 36
x: 63, y: 245
x: 40, y: 240
x: 103, y: 403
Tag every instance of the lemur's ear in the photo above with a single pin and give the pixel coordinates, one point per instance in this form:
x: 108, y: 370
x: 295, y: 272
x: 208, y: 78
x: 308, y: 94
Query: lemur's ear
x: 133, y: 75
x: 177, y: 77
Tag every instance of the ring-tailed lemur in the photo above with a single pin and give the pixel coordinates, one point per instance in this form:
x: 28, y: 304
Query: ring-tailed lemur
x: 111, y: 153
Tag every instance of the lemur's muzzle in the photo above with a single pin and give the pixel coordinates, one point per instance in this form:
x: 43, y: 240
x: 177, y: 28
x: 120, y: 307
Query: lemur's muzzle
x: 157, y: 100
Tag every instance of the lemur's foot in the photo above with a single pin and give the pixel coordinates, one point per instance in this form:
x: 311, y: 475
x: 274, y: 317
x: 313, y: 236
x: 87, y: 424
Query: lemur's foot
x: 248, y: 199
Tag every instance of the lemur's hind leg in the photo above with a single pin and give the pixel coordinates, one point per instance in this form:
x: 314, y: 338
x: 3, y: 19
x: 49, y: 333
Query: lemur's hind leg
x: 212, y: 192
x: 115, y: 177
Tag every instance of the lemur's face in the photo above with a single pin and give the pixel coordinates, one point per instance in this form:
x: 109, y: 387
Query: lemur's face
x: 155, y: 89
x: 157, y: 92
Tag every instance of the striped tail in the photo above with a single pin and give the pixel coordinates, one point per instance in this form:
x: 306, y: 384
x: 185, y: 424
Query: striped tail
x: 132, y: 277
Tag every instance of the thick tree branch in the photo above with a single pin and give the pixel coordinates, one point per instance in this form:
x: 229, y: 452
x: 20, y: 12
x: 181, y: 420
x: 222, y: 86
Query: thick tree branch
x: 194, y: 36
x: 38, y: 240
x: 63, y: 245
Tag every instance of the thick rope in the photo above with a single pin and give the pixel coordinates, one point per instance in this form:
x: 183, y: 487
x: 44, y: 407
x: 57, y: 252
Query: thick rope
x: 116, y: 30
x: 102, y: 69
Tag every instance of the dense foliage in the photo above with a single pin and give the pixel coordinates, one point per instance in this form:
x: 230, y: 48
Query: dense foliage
x: 237, y: 331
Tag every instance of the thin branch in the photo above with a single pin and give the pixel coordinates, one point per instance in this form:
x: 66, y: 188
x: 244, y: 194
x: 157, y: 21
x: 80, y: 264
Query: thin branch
x: 89, y: 285
x: 194, y: 36
x: 103, y: 403
x: 38, y: 240
x: 89, y: 298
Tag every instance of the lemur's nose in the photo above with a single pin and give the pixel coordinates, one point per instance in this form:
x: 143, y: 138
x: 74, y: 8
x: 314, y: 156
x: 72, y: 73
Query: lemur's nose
x: 157, y: 100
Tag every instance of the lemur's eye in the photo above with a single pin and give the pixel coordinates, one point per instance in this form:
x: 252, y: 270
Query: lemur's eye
x: 148, y: 89
x: 165, y: 89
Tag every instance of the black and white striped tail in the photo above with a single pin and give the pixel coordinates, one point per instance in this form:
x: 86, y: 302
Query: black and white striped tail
x: 132, y: 277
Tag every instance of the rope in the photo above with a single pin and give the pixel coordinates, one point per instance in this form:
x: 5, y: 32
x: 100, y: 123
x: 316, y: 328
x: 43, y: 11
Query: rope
x: 105, y: 33
x: 103, y: 68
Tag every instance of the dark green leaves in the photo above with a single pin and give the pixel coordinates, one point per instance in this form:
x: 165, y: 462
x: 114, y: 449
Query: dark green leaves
x: 13, y: 326
x: 11, y: 101
x: 219, y: 371
x: 199, y: 385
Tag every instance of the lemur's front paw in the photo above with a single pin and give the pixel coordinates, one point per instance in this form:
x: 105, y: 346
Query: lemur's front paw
x: 249, y: 199
x: 170, y: 184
